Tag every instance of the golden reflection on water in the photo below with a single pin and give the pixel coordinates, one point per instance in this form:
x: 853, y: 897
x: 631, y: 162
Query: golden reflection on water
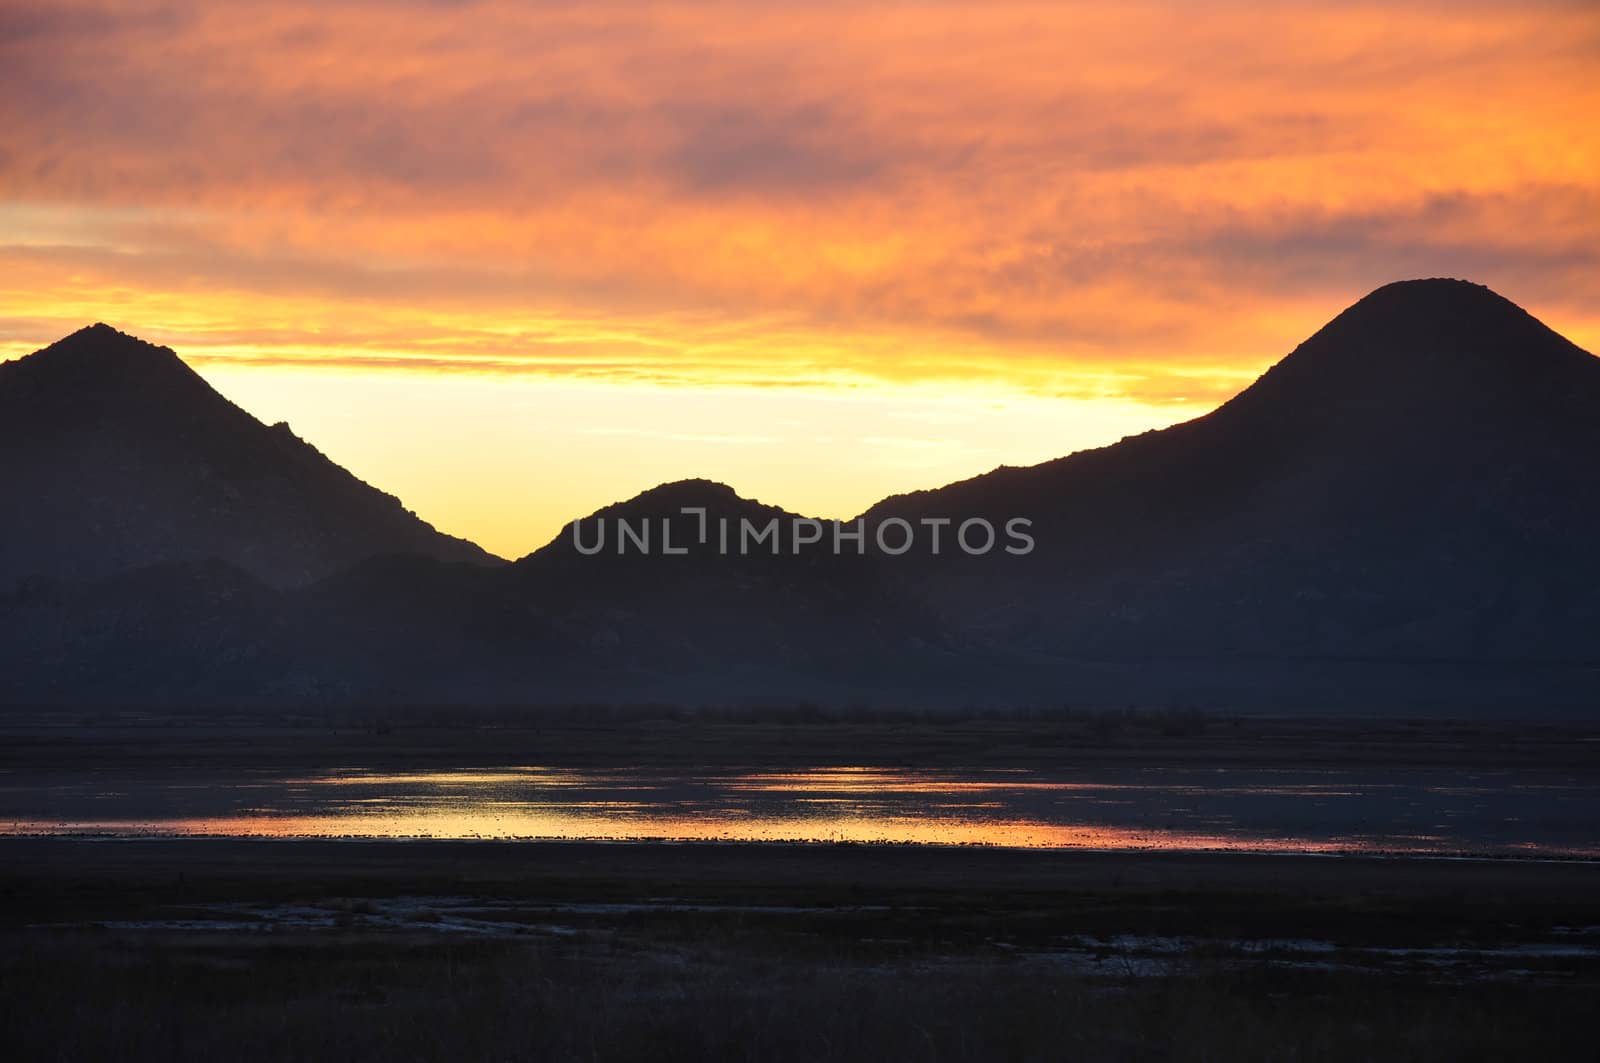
x: 878, y: 781
x: 839, y: 805
x: 866, y: 780
x: 886, y: 830
x: 551, y: 778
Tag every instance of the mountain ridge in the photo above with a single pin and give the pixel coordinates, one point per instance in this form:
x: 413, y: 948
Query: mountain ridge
x: 1317, y: 515
x: 125, y: 456
x: 1292, y: 371
x: 1398, y: 516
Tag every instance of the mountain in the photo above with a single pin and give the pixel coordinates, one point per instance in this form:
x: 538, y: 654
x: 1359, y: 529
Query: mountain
x: 732, y: 615
x: 557, y: 627
x: 1400, y: 516
x: 115, y: 454
x: 1414, y: 483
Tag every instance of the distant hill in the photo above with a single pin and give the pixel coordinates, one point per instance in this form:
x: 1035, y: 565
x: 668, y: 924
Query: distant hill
x: 731, y: 618
x: 1417, y: 481
x: 114, y: 455
x: 1400, y: 516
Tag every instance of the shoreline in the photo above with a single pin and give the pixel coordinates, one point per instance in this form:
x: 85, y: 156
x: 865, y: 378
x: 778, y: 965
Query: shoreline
x: 1332, y: 853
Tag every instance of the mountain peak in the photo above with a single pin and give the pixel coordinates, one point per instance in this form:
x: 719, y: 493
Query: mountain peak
x: 100, y: 340
x: 1437, y: 302
x: 1434, y: 287
x: 97, y: 360
x: 124, y: 456
x: 692, y: 492
x: 1424, y: 344
x: 671, y: 498
x: 667, y: 502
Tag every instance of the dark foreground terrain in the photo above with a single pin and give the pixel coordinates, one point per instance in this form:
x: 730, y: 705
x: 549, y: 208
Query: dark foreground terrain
x: 211, y: 948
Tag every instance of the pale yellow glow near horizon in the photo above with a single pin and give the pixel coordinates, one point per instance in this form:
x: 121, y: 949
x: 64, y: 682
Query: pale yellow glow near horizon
x: 506, y: 461
x: 513, y: 261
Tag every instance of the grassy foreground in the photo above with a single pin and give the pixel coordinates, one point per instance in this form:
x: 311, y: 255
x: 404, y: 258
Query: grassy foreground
x: 209, y: 949
x: 182, y: 997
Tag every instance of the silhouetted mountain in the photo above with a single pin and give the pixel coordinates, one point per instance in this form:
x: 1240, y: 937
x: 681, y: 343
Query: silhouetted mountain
x: 743, y: 615
x: 1399, y: 516
x: 114, y: 454
x: 556, y: 627
x: 1415, y: 482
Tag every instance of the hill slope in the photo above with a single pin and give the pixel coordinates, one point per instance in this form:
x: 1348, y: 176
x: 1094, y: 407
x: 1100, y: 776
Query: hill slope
x: 1417, y: 481
x: 114, y: 454
x: 1398, y: 517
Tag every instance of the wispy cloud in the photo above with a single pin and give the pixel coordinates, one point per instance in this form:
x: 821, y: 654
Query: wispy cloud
x: 1064, y: 198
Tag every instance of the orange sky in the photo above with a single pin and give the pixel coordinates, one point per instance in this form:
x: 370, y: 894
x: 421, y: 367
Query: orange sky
x: 512, y: 261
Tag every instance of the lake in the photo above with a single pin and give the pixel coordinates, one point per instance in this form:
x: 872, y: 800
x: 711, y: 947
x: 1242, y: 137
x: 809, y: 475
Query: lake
x: 1499, y: 813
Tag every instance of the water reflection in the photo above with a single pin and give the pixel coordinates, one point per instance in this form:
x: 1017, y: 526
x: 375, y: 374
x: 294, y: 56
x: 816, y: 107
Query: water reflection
x: 1140, y: 809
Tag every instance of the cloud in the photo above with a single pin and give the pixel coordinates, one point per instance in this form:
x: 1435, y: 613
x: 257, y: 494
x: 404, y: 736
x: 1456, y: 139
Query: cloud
x: 1060, y: 198
x: 727, y: 149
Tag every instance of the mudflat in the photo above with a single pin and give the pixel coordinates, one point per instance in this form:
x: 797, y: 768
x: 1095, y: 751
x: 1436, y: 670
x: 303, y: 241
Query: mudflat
x: 557, y: 950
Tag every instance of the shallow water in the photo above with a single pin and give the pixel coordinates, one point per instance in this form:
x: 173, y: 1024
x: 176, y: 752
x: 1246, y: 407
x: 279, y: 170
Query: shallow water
x: 1446, y: 813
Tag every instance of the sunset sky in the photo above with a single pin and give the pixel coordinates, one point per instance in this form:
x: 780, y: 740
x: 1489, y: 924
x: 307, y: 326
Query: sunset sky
x: 515, y: 260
